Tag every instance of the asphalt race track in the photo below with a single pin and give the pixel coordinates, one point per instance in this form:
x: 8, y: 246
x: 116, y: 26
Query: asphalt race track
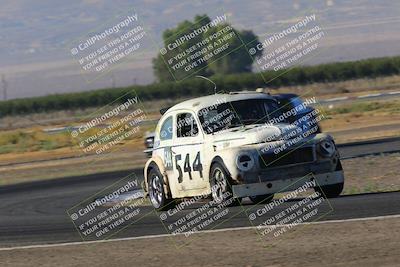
x: 35, y: 213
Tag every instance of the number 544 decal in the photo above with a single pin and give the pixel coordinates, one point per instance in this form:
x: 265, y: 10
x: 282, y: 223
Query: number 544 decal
x: 197, y: 166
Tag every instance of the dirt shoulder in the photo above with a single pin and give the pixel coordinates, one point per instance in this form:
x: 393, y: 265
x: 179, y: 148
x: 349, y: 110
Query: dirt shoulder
x: 372, y: 174
x: 362, y: 243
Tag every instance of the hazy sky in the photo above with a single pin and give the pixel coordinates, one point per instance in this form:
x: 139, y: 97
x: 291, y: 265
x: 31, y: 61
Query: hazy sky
x: 36, y: 37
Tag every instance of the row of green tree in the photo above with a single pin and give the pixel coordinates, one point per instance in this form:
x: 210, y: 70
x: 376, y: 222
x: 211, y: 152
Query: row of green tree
x: 331, y: 72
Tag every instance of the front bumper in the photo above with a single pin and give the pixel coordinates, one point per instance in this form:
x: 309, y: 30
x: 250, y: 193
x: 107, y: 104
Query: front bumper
x: 284, y: 185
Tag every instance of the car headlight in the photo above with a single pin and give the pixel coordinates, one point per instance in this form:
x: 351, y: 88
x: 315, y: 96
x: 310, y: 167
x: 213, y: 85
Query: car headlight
x: 245, y: 161
x: 326, y: 148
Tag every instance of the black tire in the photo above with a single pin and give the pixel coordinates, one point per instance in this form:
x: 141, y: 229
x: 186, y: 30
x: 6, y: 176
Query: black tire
x: 262, y: 199
x: 330, y: 191
x: 156, y: 191
x: 221, y: 186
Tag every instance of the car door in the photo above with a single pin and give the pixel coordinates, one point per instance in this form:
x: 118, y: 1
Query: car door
x: 163, y: 142
x: 187, y: 151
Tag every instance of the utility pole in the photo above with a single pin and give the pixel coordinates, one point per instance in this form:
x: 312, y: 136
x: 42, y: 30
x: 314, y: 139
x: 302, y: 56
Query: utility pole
x: 5, y: 85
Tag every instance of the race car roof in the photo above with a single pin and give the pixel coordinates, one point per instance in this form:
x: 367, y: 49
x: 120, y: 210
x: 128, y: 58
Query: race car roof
x: 199, y: 103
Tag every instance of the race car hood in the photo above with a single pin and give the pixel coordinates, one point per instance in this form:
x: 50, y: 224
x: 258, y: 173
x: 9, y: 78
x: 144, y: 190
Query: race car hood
x: 254, y: 134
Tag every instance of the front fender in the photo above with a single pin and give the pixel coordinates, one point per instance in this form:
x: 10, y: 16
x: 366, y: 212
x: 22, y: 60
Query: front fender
x: 228, y: 157
x: 158, y: 162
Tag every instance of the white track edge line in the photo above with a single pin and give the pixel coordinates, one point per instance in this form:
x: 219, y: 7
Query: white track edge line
x: 199, y: 232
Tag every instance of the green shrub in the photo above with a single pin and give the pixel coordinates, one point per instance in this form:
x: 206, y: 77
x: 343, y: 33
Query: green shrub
x: 331, y: 72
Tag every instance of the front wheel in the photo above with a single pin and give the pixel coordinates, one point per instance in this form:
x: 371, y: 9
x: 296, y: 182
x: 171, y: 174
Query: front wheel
x: 221, y: 189
x: 330, y: 191
x: 156, y: 191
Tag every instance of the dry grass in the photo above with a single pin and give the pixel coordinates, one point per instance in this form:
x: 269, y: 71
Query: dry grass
x: 363, y: 120
x: 372, y: 174
x: 383, y: 107
x: 33, y: 139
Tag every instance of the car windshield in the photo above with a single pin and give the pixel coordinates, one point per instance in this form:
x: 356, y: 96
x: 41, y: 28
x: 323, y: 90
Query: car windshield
x: 238, y: 113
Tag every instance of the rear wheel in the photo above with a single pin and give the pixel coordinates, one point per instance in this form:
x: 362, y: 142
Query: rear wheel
x: 262, y: 199
x: 156, y: 191
x: 330, y: 191
x: 221, y: 186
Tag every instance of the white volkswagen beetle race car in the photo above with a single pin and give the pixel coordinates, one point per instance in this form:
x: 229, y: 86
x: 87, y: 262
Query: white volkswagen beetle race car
x: 241, y: 144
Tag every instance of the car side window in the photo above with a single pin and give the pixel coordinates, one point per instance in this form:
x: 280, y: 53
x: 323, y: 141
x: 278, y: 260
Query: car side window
x: 186, y: 125
x: 166, y: 129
